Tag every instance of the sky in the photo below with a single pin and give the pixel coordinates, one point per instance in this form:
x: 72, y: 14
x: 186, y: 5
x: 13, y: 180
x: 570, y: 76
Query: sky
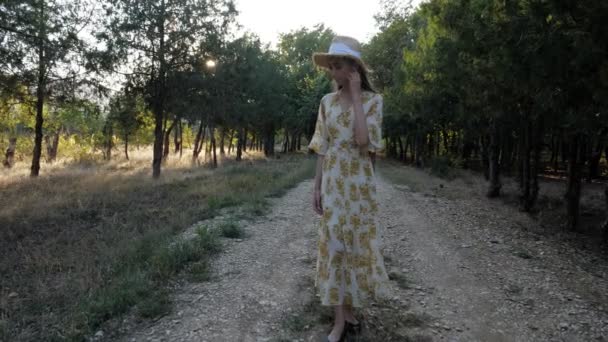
x: 268, y: 18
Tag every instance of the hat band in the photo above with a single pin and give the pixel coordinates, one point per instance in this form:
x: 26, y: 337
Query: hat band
x: 341, y: 48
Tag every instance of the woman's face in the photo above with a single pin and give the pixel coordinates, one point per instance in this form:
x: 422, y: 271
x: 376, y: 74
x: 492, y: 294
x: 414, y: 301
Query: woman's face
x: 340, y: 69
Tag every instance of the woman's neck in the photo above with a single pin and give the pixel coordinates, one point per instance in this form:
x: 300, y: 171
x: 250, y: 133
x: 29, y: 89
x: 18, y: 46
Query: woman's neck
x: 345, y: 93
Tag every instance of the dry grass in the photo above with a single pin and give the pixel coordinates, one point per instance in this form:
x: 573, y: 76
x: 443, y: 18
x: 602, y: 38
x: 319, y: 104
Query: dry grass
x: 76, y: 243
x: 550, y: 210
x: 422, y: 181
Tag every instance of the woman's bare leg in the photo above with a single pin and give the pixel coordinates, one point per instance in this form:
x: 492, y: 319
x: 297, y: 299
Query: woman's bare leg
x: 338, y: 328
x: 348, y: 315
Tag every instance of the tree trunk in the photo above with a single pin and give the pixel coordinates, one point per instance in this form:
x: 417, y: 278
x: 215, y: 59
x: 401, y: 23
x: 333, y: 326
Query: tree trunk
x: 159, y: 100
x: 177, y: 137
x: 532, y: 141
x: 554, y: 144
x: 240, y: 143
x: 208, y: 146
x: 594, y: 161
x: 505, y: 156
x: 244, y: 147
x: 127, y: 146
x: 181, y: 141
x: 401, y: 150
x: 604, y: 227
x: 397, y: 146
x: 286, y: 142
x: 467, y: 149
x: 222, y: 139
x: 158, y: 137
x: 494, y: 167
x: 537, y: 167
x: 51, y: 147
x: 9, y: 156
x: 205, y: 129
x: 167, y: 139
x: 198, y: 143
x: 293, y: 142
x: 40, y: 90
x: 110, y: 132
x: 269, y: 141
x: 214, y: 155
x: 524, y: 156
x: 446, y: 143
x: 564, y: 148
x: 419, y: 149
x: 455, y: 143
x: 573, y: 193
x: 406, y: 148
x: 430, y: 144
x: 230, y: 139
x: 485, y: 156
x: 251, y: 144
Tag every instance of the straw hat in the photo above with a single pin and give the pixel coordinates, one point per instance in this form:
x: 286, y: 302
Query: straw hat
x: 341, y: 46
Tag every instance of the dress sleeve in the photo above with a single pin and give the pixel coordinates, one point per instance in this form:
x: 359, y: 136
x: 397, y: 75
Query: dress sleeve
x: 374, y: 124
x: 320, y: 139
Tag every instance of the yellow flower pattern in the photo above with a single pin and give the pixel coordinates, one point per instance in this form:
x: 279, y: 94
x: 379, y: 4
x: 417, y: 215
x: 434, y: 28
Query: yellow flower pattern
x: 344, y: 119
x: 354, y: 167
x: 350, y: 267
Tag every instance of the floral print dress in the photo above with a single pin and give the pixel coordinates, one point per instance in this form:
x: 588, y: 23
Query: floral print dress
x: 350, y: 267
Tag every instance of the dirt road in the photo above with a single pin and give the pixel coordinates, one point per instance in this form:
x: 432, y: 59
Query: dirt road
x: 463, y: 269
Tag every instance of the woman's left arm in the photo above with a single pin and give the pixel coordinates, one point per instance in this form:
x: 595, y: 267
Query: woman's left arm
x: 360, y: 126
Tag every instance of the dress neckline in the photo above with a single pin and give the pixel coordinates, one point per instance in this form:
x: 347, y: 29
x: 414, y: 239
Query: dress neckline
x: 342, y: 110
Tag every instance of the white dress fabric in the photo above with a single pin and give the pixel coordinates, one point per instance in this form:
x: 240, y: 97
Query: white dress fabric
x: 350, y: 266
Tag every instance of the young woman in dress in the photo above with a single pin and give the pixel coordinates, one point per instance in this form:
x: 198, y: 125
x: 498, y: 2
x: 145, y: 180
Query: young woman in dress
x: 350, y: 267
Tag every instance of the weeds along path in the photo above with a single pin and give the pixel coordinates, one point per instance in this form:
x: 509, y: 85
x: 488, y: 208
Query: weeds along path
x: 454, y: 278
x: 256, y: 281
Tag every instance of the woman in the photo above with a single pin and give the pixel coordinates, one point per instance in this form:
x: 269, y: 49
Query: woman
x: 350, y: 267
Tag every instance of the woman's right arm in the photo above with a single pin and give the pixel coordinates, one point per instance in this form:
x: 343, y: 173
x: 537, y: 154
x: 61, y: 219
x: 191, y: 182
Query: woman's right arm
x: 317, y: 204
x: 319, y: 144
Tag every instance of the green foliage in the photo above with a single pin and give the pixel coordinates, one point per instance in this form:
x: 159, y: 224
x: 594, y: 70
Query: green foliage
x: 305, y: 85
x: 16, y: 112
x: 154, y: 305
x: 40, y: 40
x: 231, y: 229
x: 160, y: 39
x: 127, y: 290
x: 207, y: 240
x: 170, y: 259
x: 461, y: 65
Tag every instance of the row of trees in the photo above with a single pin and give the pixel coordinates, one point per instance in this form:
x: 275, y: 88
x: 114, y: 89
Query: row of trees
x: 508, y: 86
x: 520, y: 85
x: 122, y: 70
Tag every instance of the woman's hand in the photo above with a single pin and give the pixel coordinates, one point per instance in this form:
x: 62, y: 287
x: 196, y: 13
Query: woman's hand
x: 317, y: 205
x: 354, y: 83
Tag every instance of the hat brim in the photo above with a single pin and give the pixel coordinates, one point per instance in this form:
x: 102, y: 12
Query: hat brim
x: 321, y: 59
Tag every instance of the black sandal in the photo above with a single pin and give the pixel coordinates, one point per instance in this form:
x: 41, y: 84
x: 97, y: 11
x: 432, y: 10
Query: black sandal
x: 355, y: 328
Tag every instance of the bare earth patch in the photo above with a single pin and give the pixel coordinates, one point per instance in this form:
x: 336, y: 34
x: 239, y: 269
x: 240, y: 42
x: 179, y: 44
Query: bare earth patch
x: 463, y: 269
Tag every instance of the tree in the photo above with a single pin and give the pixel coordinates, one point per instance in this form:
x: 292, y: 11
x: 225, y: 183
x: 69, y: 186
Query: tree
x: 499, y: 81
x: 38, y: 41
x: 155, y: 38
x: 305, y: 84
x: 127, y: 111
